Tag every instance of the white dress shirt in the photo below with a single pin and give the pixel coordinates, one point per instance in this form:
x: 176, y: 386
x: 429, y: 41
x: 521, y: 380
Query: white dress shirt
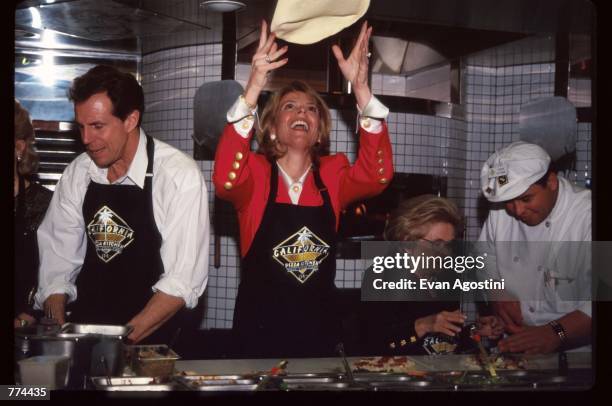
x: 180, y: 210
x: 294, y: 188
x: 543, y: 277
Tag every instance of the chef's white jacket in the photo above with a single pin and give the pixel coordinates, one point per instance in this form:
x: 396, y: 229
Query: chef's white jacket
x: 542, y: 265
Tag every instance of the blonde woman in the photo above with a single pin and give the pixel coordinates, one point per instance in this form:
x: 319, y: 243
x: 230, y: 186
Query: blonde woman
x: 30, y: 204
x: 288, y: 197
x: 431, y: 222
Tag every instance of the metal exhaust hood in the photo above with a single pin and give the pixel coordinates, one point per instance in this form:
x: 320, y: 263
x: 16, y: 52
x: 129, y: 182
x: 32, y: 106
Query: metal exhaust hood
x: 102, y: 20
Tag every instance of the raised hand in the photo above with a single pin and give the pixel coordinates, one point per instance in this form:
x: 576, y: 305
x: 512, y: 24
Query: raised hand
x: 355, y: 67
x: 264, y: 61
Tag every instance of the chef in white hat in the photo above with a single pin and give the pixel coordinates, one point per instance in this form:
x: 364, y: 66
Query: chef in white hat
x: 527, y: 233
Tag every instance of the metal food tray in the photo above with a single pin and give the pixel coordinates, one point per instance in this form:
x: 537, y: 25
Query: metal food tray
x: 226, y: 388
x: 381, y: 377
x: 194, y: 381
x: 314, y: 378
x: 100, y: 381
x: 218, y: 382
x: 398, y: 386
x: 132, y: 383
x: 315, y: 382
x: 142, y: 388
x: 319, y: 386
x: 69, y: 330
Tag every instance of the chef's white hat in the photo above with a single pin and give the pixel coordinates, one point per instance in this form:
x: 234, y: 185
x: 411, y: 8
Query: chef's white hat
x: 509, y: 172
x: 309, y: 21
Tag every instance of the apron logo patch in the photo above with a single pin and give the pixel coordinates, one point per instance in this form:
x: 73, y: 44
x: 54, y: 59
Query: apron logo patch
x: 109, y: 233
x: 301, y: 254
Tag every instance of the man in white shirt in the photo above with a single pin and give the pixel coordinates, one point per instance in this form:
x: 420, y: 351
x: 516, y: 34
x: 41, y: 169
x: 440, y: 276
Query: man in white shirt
x: 533, y: 242
x: 125, y: 239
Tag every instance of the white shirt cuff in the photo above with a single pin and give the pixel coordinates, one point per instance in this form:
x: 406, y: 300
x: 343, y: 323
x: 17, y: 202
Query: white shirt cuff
x: 57, y: 288
x: 370, y: 119
x: 242, y: 117
x: 374, y: 109
x: 173, y: 286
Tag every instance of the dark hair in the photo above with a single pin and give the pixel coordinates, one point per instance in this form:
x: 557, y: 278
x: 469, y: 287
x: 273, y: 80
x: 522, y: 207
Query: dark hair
x: 24, y: 131
x: 544, y: 179
x: 272, y: 149
x: 122, y: 89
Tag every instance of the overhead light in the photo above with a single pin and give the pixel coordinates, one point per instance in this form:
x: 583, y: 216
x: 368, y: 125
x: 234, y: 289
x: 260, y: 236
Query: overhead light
x: 46, y: 72
x: 222, y: 6
x: 36, y: 20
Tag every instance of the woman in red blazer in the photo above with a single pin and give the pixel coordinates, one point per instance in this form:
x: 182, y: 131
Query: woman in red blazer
x: 289, y: 196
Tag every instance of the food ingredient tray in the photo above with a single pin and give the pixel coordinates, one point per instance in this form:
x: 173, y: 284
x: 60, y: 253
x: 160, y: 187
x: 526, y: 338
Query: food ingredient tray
x: 151, y: 360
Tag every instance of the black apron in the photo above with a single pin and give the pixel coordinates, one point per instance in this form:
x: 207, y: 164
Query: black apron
x: 286, y: 299
x: 124, y: 262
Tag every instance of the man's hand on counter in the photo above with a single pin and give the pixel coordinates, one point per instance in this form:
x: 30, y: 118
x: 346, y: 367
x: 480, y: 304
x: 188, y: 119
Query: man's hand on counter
x: 158, y: 310
x: 55, y: 305
x: 531, y: 340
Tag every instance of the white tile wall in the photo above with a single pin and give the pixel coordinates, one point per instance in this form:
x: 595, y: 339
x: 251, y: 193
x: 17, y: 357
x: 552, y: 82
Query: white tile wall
x: 579, y: 92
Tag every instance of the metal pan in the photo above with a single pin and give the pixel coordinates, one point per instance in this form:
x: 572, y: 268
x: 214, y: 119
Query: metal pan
x: 313, y: 380
x: 381, y: 377
x: 100, y: 381
x: 403, y: 385
x: 327, y: 386
x: 141, y: 388
x: 73, y: 329
x: 226, y: 388
x: 195, y: 381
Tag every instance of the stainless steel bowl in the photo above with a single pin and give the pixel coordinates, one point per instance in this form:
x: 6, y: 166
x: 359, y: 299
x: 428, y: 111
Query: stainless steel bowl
x: 85, y: 344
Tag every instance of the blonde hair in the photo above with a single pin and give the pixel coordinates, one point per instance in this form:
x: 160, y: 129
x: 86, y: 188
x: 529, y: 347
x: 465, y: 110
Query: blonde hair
x: 24, y: 131
x: 410, y: 220
x: 272, y: 149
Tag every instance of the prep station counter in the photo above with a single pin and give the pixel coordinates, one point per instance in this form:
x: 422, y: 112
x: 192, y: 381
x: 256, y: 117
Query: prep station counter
x: 98, y: 359
x: 425, y: 373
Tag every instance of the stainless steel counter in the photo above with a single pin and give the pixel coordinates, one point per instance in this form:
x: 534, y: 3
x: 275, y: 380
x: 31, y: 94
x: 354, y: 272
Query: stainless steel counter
x: 420, y: 373
x: 576, y: 360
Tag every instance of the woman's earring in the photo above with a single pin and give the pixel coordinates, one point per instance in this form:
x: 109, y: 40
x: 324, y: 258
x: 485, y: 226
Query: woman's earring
x: 273, y: 137
x: 18, y: 157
